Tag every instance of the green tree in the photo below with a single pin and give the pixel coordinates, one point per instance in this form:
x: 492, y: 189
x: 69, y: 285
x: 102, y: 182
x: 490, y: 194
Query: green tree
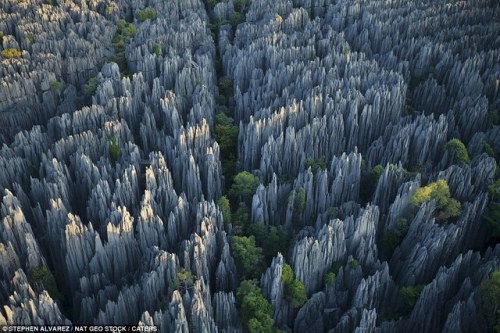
x: 392, y: 239
x: 247, y: 255
x: 185, y: 279
x: 225, y: 209
x: 332, y: 273
x: 447, y: 207
x: 369, y: 180
x: 125, y: 31
x: 459, y: 151
x: 299, y: 204
x: 244, y: 186
x: 56, y: 85
x: 114, y: 149
x: 255, y: 311
x: 410, y: 295
x: 146, y: 14
x: 241, y: 217
x: 492, y: 212
x: 226, y: 86
x: 490, y: 294
x: 42, y: 276
x: 90, y: 87
x: 295, y: 292
x: 157, y: 50
x: 271, y: 239
x: 316, y: 164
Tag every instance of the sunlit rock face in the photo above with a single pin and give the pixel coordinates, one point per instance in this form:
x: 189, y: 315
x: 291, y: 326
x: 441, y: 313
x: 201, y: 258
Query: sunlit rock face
x: 113, y: 161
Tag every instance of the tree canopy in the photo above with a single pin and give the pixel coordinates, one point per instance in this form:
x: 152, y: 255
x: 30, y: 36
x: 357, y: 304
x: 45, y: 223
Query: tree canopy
x: 244, y: 185
x: 461, y: 155
x: 490, y: 293
x: 295, y: 292
x: 247, y: 255
x: 447, y: 207
x: 255, y: 311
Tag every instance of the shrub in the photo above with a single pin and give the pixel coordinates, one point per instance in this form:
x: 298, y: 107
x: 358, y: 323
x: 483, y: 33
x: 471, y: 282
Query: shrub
x: 391, y: 239
x: 42, y: 275
x: 12, y: 53
x: 90, y: 87
x: 316, y: 164
x: 488, y: 149
x: 492, y: 212
x: 447, y: 207
x: 185, y: 279
x: 369, y: 180
x: 146, y: 14
x: 56, y: 85
x: 30, y: 38
x: 299, y: 204
x: 125, y: 31
x: 114, y: 149
x: 225, y: 209
x: 410, y: 295
x: 459, y: 151
x: 490, y: 294
x: 226, y: 86
x: 332, y: 273
x: 354, y: 264
x: 157, y: 50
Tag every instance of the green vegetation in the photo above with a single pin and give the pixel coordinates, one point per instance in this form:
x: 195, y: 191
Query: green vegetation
x: 30, y: 38
x: 410, y: 295
x: 244, y: 186
x: 110, y: 10
x: 125, y: 31
x: 299, y: 204
x: 56, y: 85
x: 247, y: 255
x: 90, y: 87
x: 490, y: 294
x: 459, y: 151
x: 295, y: 292
x: 12, y: 53
x: 42, y: 275
x: 271, y: 239
x: 241, y: 217
x: 1, y: 35
x: 255, y: 311
x: 316, y: 164
x: 226, y: 86
x: 392, y: 239
x: 146, y: 14
x: 52, y: 2
x: 157, y: 50
x: 354, y: 264
x: 225, y: 208
x: 494, y: 117
x: 114, y: 150
x: 369, y: 180
x: 488, y: 149
x: 185, y: 279
x: 447, y: 207
x: 492, y: 213
x: 226, y: 135
x: 332, y: 273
